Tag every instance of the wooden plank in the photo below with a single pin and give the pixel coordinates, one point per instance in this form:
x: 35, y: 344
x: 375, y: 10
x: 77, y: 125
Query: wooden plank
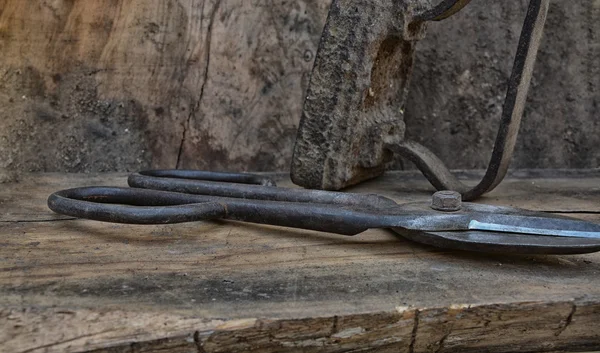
x: 123, y: 85
x: 174, y: 82
x: 76, y: 285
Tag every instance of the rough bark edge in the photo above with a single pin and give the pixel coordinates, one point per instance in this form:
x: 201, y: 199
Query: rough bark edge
x: 510, y: 327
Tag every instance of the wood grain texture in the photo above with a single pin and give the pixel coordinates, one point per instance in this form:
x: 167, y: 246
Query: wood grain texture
x: 74, y: 285
x: 123, y: 84
x: 117, y: 85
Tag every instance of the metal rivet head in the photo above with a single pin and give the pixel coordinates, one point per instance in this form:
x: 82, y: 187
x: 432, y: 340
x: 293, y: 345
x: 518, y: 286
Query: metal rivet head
x: 446, y: 201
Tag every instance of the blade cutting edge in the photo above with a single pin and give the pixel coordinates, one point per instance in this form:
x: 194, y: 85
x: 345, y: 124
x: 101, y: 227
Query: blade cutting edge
x: 505, y: 228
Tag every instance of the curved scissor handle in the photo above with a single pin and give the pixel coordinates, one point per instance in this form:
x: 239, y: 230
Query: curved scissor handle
x: 133, y: 206
x: 140, y: 206
x: 174, y: 196
x: 434, y: 169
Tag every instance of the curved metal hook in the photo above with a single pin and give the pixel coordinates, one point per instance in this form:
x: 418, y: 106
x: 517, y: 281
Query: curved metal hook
x: 434, y: 169
x: 443, y: 10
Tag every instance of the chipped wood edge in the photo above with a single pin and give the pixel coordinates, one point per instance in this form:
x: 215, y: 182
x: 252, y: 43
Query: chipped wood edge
x: 510, y: 327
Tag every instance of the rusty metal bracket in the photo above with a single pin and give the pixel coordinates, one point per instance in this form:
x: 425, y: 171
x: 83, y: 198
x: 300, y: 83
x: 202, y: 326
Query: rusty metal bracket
x: 352, y: 121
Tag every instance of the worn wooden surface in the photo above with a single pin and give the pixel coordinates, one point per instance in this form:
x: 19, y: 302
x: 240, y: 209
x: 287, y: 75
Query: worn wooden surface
x: 74, y: 285
x: 147, y: 82
x: 119, y: 85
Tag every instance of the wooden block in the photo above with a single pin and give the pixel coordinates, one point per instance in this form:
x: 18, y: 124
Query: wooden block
x: 76, y: 285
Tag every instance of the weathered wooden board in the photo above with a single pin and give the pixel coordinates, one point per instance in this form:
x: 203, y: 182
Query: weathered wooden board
x: 73, y: 285
x: 116, y: 85
x: 119, y: 85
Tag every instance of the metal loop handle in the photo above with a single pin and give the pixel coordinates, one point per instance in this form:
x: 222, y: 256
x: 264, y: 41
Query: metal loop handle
x: 139, y: 206
x: 149, y: 180
x: 133, y: 206
x: 238, y: 178
x: 173, y: 198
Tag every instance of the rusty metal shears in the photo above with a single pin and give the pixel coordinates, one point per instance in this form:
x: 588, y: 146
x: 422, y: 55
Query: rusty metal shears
x: 175, y: 196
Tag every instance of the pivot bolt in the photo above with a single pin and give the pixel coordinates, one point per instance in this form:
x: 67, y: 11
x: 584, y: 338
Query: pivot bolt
x: 446, y: 201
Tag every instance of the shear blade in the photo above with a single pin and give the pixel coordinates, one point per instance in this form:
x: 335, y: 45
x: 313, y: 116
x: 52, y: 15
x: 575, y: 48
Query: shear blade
x: 537, y: 225
x: 501, y: 242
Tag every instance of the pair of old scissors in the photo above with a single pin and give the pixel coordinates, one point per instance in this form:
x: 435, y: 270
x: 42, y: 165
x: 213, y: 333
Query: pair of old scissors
x: 175, y: 196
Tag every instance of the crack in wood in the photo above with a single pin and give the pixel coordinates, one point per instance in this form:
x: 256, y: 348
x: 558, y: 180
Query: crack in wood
x: 442, y: 342
x: 198, y: 342
x: 334, y: 326
x: 413, y: 336
x: 567, y: 321
x: 573, y: 212
x: 196, y: 107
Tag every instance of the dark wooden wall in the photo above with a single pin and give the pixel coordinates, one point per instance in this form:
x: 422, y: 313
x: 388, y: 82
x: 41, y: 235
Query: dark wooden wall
x: 218, y: 84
